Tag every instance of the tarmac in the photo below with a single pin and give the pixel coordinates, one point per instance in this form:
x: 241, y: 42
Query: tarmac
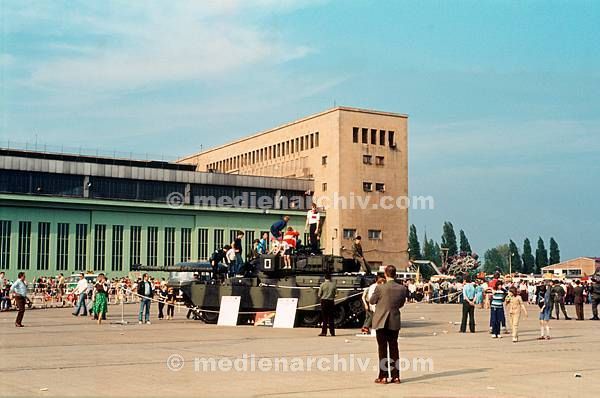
x: 57, y: 354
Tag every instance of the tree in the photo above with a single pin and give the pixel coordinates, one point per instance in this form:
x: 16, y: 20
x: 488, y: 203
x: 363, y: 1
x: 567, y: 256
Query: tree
x: 496, y: 259
x: 541, y: 256
x: 554, y: 252
x: 517, y: 264
x: 528, y: 259
x: 428, y: 249
x: 465, y: 247
x: 414, y: 247
x: 449, y: 239
x: 437, y: 254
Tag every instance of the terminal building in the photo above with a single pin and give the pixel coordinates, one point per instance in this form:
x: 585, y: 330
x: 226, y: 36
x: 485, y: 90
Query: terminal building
x: 62, y: 213
x: 358, y: 160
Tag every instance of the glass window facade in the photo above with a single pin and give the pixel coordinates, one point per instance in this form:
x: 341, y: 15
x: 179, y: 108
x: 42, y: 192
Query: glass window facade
x: 152, y: 247
x: 135, y: 245
x: 99, y: 247
x: 80, y: 247
x: 24, y: 247
x: 203, y: 253
x: 169, y: 248
x: 43, y: 246
x: 5, y: 230
x: 117, y: 248
x: 62, y: 247
x: 186, y: 244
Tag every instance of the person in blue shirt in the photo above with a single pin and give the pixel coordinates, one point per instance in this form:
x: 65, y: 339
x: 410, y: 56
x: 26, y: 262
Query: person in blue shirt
x: 19, y: 291
x: 278, y: 228
x: 263, y: 244
x: 468, y: 306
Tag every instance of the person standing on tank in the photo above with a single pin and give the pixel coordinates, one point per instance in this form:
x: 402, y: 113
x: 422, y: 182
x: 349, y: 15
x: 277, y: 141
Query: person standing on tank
x: 327, y: 293
x: 313, y: 221
x: 239, y: 250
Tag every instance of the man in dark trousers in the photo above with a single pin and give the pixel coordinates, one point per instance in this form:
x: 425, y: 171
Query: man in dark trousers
x: 558, y: 298
x: 388, y: 298
x: 313, y: 224
x: 327, y: 293
x: 468, y: 306
x: 359, y: 257
x: 146, y: 293
x: 19, y: 292
x: 578, y: 300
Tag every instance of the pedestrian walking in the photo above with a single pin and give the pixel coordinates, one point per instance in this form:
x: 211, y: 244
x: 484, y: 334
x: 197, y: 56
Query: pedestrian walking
x: 19, y: 291
x: 515, y: 307
x: 162, y: 299
x: 100, y: 298
x: 497, y: 311
x: 171, y: 297
x: 81, y: 292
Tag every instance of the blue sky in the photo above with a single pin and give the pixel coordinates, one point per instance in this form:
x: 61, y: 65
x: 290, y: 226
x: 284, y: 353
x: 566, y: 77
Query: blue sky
x: 503, y: 96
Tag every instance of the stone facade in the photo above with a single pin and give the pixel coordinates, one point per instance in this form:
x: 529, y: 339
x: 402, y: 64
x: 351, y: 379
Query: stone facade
x: 353, y: 155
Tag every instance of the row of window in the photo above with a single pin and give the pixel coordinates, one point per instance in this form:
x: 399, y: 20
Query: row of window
x: 289, y: 147
x: 116, y: 240
x: 372, y: 234
x: 121, y: 188
x: 373, y: 136
x: 368, y: 159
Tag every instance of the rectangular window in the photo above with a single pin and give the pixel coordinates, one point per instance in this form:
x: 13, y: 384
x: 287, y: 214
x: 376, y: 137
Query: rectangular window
x: 135, y: 245
x: 324, y: 187
x: 367, y: 186
x: 367, y: 159
x: 381, y: 137
x: 203, y: 244
x: 186, y: 244
x: 232, y: 235
x: 312, y: 141
x: 317, y: 139
x: 373, y: 137
x: 117, y: 248
x: 169, y: 252
x: 218, y: 235
x: 99, y: 247
x: 355, y: 135
x: 380, y: 187
x: 248, y: 242
x: 391, y: 139
x: 374, y: 234
x: 62, y: 247
x: 379, y: 160
x: 80, y: 247
x: 152, y: 247
x: 24, y: 247
x: 349, y: 233
x: 365, y: 136
x: 324, y: 160
x: 5, y: 230
x: 43, y: 246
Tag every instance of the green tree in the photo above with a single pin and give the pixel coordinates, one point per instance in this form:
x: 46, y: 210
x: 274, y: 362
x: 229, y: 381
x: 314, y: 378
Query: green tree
x: 465, y: 247
x: 554, y: 252
x: 449, y: 239
x: 541, y: 256
x: 428, y: 249
x: 528, y: 259
x: 496, y: 259
x: 517, y: 264
x: 413, y: 244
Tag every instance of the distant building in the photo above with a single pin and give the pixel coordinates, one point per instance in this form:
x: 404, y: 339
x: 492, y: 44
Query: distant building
x: 349, y: 153
x: 70, y: 213
x: 578, y: 267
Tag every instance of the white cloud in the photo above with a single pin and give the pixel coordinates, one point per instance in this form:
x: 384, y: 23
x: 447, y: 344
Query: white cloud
x: 130, y: 45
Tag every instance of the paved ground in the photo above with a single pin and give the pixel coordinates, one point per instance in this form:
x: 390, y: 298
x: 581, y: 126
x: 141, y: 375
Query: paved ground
x: 58, y: 355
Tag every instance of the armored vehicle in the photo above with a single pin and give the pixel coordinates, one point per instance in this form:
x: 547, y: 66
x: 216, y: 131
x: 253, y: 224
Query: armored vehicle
x: 267, y: 279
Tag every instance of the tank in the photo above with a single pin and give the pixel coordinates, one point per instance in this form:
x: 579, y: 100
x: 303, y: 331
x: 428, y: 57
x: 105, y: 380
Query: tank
x: 265, y: 280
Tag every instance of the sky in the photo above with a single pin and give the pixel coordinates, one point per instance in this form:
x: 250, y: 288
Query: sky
x: 502, y: 96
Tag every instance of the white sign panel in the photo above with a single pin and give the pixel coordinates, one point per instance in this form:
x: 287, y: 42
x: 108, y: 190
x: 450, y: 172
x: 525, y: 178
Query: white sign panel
x: 230, y: 308
x: 285, y: 314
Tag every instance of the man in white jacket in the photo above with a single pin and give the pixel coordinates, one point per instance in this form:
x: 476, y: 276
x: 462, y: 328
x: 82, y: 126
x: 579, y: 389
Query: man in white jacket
x: 81, y: 291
